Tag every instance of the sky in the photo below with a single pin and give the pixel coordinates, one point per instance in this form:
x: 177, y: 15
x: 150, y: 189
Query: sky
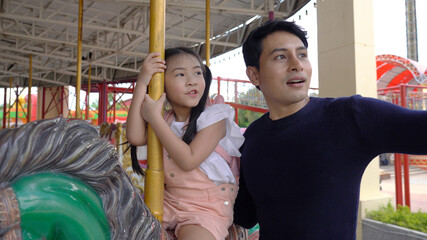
x: 389, y: 33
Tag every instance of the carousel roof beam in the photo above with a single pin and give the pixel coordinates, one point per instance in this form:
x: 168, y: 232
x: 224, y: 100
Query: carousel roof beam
x: 45, y: 6
x: 52, y: 70
x: 96, y: 62
x: 73, y: 44
x: 15, y: 23
x: 104, y: 59
x: 85, y: 63
x: 52, y: 52
x: 19, y: 24
x: 69, y: 24
x: 48, y: 30
x: 37, y: 54
x: 93, y: 18
x: 132, y: 43
x: 202, y: 24
x: 14, y: 74
x: 116, y: 19
x: 64, y: 13
x: 200, y: 40
x: 201, y: 8
x: 18, y: 6
x: 173, y: 37
x: 125, y: 61
x: 60, y: 34
x: 55, y: 12
x: 106, y: 66
x: 4, y: 84
x: 8, y: 26
x: 226, y: 10
x: 114, y: 54
x: 119, y: 68
x: 128, y: 17
x: 15, y: 57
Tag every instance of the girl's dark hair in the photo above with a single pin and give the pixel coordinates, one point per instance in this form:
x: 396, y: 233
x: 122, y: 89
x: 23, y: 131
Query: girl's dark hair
x: 191, y: 130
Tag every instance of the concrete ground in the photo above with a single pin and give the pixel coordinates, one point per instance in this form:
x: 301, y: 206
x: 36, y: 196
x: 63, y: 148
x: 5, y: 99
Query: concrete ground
x: 417, y: 188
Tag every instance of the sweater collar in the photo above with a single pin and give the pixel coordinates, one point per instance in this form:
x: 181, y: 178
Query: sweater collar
x: 297, y: 116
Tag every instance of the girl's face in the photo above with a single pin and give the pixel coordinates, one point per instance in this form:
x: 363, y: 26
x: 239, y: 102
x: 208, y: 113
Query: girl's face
x: 184, y: 82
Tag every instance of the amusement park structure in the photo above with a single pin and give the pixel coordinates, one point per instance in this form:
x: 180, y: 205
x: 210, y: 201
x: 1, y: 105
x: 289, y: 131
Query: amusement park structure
x: 51, y: 45
x: 392, y: 71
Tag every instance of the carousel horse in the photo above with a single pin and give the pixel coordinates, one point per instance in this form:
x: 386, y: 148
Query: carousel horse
x: 60, y: 180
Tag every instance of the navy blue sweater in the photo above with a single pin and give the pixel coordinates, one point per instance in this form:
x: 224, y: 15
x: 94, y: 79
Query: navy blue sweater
x: 300, y: 175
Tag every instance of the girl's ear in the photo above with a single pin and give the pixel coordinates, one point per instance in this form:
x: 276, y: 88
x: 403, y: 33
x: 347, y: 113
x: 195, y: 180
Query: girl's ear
x: 253, y: 75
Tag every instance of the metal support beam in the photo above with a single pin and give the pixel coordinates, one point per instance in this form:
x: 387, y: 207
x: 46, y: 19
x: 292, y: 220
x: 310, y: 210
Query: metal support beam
x: 411, y: 30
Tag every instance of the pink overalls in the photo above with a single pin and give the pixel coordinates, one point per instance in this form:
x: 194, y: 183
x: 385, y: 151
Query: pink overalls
x: 192, y: 198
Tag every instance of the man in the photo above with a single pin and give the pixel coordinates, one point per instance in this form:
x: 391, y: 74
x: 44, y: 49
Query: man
x: 302, y: 162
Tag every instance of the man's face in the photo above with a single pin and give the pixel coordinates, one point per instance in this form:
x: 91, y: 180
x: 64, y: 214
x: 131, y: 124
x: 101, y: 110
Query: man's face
x: 284, y: 72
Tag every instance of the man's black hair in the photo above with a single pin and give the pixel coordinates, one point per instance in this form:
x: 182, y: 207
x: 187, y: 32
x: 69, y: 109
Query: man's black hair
x: 252, y: 47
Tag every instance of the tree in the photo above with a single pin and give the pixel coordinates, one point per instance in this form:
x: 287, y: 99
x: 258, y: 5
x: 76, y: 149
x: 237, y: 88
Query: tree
x: 246, y: 117
x: 252, y: 97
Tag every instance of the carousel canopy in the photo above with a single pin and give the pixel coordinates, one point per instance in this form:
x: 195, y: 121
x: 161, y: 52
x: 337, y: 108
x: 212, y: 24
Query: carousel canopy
x: 393, y: 70
x: 115, y: 36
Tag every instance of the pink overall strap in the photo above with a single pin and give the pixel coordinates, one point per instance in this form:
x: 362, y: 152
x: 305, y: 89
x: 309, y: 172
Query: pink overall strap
x: 221, y: 151
x: 233, y: 162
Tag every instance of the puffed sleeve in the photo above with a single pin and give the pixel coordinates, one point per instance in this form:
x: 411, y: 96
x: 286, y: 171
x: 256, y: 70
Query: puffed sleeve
x: 217, y: 112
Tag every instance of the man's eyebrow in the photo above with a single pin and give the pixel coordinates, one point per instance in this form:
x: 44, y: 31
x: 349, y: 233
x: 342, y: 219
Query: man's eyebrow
x: 285, y: 49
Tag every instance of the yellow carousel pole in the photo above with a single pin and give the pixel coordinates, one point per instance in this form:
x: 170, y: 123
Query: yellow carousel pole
x: 30, y: 85
x: 10, y: 101
x: 88, y: 92
x: 208, y: 33
x: 154, y: 181
x: 79, y: 61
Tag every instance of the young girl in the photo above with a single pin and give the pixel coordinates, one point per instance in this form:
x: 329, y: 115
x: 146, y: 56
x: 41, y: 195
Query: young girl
x: 200, y: 187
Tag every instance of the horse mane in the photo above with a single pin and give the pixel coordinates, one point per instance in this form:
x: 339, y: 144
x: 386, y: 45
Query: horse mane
x: 74, y: 147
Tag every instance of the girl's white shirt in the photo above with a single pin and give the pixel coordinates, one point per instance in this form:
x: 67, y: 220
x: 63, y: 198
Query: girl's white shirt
x: 216, y: 167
